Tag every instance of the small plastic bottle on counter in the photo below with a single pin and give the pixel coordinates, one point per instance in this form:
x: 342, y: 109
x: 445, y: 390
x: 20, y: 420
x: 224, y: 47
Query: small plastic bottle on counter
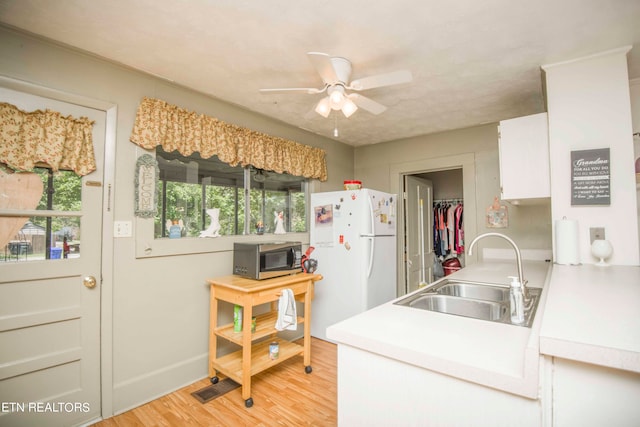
x: 516, y: 301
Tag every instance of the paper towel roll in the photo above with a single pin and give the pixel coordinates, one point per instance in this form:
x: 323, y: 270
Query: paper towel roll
x: 567, y: 251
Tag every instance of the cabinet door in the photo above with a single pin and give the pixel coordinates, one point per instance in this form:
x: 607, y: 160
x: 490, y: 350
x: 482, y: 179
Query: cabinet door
x: 524, y: 158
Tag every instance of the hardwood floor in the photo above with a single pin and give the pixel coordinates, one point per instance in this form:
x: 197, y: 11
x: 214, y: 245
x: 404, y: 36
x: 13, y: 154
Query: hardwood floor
x: 283, y: 396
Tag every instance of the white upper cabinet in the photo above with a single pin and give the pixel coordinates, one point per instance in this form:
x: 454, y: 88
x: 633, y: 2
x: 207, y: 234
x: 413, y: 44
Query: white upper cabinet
x: 524, y: 159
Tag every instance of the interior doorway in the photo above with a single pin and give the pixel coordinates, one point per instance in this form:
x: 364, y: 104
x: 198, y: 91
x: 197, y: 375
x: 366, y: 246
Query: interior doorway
x: 440, y: 235
x: 455, y: 178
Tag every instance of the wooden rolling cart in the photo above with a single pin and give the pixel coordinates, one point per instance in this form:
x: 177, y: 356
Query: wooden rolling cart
x: 253, y: 358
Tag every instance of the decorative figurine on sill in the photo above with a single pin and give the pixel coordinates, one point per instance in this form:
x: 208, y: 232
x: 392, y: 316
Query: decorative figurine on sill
x: 175, y: 228
x: 279, y: 221
x: 260, y: 228
x: 214, y: 227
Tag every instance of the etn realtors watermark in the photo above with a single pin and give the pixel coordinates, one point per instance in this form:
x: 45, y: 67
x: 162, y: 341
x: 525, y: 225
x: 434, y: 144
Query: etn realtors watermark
x: 44, y: 407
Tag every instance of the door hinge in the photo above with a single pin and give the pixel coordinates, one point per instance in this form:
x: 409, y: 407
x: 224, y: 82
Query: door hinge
x: 109, y: 198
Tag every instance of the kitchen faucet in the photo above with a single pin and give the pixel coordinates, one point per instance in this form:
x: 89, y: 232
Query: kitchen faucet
x: 518, y: 256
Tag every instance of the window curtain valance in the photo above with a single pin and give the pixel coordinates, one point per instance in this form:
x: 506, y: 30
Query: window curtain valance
x: 174, y: 128
x: 28, y: 138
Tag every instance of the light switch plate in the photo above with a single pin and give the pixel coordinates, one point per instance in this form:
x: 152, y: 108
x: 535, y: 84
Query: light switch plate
x: 596, y: 233
x: 122, y: 228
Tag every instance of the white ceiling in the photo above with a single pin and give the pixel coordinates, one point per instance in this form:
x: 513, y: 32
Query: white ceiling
x: 473, y: 62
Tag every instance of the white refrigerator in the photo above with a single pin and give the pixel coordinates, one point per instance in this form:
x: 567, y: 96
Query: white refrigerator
x: 354, y: 236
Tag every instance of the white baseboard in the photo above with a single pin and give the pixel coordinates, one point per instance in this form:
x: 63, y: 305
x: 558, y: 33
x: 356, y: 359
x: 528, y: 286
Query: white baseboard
x: 142, y: 389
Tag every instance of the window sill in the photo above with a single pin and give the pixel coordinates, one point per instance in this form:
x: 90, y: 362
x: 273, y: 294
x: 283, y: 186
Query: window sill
x: 149, y: 248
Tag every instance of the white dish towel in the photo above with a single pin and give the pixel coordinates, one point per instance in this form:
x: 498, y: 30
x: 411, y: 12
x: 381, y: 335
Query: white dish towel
x: 287, y: 317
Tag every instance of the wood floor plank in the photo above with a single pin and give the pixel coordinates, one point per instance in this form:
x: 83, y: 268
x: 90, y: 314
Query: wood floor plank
x: 283, y: 396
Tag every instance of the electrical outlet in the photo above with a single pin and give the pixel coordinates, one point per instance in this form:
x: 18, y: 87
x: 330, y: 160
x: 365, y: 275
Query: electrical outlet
x: 122, y: 228
x: 596, y: 233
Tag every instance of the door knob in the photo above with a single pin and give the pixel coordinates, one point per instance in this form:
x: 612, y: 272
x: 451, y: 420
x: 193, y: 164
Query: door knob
x: 89, y: 282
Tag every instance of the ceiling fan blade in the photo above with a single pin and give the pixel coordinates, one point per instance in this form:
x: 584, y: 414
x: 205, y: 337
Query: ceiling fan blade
x: 381, y: 80
x: 309, y: 90
x: 322, y: 64
x: 367, y: 103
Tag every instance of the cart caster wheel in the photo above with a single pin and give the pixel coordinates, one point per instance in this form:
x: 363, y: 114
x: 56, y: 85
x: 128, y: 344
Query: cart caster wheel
x: 249, y: 402
x: 308, y: 369
x: 214, y: 380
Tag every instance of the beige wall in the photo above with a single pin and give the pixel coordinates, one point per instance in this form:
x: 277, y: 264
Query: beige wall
x: 160, y: 308
x: 529, y: 226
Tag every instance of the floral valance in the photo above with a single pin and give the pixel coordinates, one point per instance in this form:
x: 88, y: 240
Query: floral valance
x: 174, y: 128
x: 28, y: 138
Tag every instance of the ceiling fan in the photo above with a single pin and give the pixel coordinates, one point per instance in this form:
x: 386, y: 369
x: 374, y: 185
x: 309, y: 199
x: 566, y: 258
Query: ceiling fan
x: 336, y: 74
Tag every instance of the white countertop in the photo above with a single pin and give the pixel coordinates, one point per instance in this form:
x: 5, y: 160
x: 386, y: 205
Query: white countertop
x: 496, y: 355
x: 592, y: 315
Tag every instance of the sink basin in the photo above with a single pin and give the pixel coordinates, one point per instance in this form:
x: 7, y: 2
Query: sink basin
x: 478, y: 300
x: 468, y: 307
x: 472, y: 290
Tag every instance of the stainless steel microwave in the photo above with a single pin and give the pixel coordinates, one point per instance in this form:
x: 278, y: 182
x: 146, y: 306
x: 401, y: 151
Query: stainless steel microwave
x: 264, y: 260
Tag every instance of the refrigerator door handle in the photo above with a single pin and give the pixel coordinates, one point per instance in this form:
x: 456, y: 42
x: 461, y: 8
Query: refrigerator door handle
x: 371, y: 252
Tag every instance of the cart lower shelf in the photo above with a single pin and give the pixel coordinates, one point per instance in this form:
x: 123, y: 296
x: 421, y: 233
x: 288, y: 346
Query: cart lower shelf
x: 231, y: 364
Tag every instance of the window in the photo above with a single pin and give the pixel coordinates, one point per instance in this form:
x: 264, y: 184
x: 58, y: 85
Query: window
x: 190, y: 186
x: 50, y: 236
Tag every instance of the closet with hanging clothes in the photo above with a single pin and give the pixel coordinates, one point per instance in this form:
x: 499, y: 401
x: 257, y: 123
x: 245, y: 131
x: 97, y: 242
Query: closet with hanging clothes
x: 448, y: 234
x: 448, y: 220
x: 448, y: 227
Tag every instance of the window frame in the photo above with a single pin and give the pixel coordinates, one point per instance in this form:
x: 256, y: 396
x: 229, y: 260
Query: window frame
x: 147, y: 246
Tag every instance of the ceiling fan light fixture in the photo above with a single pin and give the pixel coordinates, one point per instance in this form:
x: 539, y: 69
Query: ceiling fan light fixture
x: 324, y: 107
x: 336, y: 97
x: 349, y: 108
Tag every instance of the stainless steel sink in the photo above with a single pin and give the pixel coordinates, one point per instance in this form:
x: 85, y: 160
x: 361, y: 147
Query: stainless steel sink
x: 473, y: 290
x: 478, y: 300
x: 468, y: 307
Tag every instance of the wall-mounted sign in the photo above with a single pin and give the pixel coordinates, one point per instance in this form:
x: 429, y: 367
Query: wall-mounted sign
x: 497, y: 215
x: 146, y: 190
x: 590, y: 177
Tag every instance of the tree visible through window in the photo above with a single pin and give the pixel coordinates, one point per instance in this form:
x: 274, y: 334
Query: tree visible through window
x: 189, y: 186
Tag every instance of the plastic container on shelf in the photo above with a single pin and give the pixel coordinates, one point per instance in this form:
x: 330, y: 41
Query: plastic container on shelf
x: 237, y: 318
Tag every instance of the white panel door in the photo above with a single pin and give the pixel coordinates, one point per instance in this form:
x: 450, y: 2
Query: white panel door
x: 418, y: 232
x: 49, y: 318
